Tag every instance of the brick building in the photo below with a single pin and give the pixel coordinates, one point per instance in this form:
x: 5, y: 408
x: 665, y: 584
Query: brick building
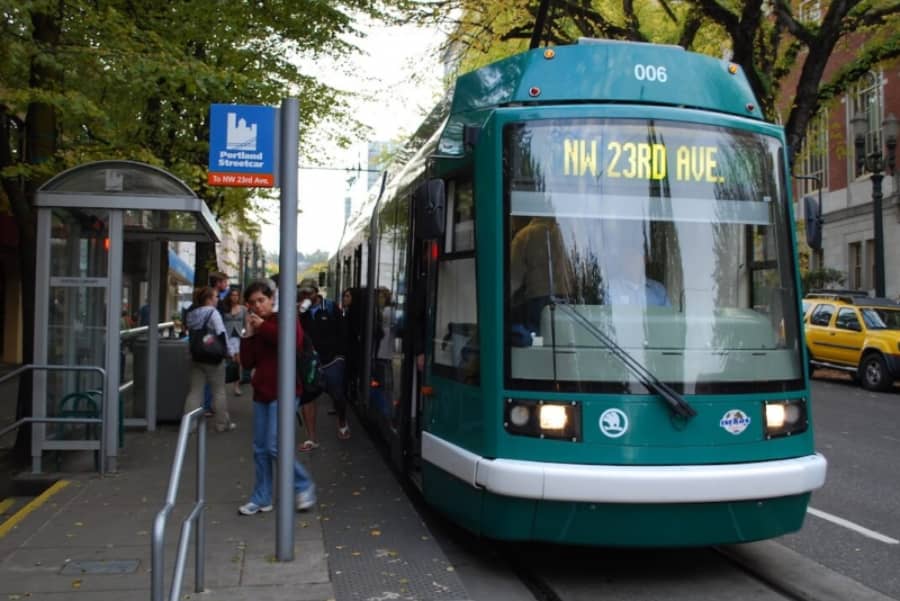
x: 829, y: 154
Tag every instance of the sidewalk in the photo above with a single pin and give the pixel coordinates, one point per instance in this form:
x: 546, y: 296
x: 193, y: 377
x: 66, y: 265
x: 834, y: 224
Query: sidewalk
x: 89, y: 537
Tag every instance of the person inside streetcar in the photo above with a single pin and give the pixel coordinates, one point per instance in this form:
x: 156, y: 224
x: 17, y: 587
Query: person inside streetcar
x: 625, y: 278
x: 540, y: 270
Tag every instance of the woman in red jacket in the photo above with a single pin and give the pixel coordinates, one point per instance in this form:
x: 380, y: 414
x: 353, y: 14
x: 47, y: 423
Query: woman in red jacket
x: 259, y: 351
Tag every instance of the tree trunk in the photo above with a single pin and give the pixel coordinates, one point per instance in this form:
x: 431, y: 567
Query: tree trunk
x: 40, y: 147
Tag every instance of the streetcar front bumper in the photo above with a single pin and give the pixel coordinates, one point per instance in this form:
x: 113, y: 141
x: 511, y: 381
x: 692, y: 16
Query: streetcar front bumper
x: 628, y: 483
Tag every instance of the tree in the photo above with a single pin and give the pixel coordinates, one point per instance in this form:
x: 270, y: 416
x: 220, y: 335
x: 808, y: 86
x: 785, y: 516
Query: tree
x: 766, y: 38
x: 823, y: 277
x: 83, y: 80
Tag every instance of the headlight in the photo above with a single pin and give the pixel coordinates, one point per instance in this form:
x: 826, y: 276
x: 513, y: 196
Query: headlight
x: 553, y: 417
x: 784, y: 418
x: 519, y: 415
x: 543, y: 419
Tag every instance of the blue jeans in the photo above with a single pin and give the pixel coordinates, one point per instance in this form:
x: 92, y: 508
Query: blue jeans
x: 334, y: 386
x: 265, y: 452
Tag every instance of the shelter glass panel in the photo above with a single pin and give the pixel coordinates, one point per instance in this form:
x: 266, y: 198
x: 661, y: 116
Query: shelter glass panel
x: 76, y: 327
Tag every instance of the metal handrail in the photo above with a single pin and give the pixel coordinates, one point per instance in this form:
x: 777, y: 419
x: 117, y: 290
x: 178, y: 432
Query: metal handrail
x: 135, y: 332
x: 64, y: 420
x: 191, y: 420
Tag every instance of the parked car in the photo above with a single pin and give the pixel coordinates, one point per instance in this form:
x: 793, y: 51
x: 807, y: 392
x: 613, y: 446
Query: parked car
x: 850, y: 331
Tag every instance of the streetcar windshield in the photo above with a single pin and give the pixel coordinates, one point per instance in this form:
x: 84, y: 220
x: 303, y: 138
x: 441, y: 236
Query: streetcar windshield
x: 669, y: 240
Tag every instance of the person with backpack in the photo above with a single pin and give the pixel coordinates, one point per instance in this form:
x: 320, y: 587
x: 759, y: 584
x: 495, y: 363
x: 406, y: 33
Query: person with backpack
x: 259, y: 351
x: 206, y: 334
x: 325, y: 325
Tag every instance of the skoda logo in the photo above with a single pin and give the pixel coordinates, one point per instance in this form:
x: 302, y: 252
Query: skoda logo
x: 613, y: 423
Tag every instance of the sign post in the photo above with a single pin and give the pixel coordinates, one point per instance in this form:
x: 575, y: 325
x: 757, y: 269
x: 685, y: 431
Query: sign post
x: 257, y: 147
x: 287, y: 326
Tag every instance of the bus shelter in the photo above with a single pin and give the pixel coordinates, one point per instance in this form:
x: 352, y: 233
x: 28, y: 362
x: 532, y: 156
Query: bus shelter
x: 84, y: 217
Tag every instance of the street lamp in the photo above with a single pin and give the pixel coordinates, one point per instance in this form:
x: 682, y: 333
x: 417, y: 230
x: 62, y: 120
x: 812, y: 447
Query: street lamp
x: 876, y: 163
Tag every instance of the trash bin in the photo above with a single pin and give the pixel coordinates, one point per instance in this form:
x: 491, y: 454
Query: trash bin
x: 172, y: 378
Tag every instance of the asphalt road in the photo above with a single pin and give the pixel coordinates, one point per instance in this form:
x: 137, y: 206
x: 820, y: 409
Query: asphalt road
x: 859, y: 433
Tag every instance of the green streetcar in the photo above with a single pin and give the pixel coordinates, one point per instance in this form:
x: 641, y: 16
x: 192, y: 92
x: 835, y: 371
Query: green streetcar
x: 576, y: 304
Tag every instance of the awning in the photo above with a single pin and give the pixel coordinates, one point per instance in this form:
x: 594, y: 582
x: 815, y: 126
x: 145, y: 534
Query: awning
x: 180, y: 269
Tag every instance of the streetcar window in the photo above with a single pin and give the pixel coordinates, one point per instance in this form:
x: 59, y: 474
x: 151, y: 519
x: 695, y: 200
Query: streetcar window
x: 460, y: 236
x: 457, y: 351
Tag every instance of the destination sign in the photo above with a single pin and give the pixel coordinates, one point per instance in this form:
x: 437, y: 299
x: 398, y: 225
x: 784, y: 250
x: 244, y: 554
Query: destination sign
x: 635, y: 157
x: 641, y: 160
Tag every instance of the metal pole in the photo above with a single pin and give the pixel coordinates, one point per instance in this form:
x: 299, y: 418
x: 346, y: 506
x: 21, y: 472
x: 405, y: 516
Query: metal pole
x: 287, y: 324
x: 877, y: 176
x: 109, y: 446
x: 200, y: 564
x: 153, y: 336
x: 41, y: 335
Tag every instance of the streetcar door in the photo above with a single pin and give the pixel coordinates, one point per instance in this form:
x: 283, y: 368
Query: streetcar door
x: 428, y: 221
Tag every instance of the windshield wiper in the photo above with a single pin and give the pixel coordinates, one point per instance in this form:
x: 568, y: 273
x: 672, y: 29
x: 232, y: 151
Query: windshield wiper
x: 676, y: 402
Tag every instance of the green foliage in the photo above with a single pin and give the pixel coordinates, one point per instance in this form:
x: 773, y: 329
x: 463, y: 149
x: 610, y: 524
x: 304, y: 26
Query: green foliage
x: 317, y: 256
x: 766, y: 37
x: 313, y: 270
x: 134, y: 80
x: 815, y: 279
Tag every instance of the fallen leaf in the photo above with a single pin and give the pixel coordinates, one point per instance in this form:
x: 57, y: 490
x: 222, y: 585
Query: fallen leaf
x: 76, y: 584
x: 375, y: 532
x: 79, y: 523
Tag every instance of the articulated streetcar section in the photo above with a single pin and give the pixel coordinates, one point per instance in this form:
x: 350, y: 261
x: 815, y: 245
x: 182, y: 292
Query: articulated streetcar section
x: 580, y: 289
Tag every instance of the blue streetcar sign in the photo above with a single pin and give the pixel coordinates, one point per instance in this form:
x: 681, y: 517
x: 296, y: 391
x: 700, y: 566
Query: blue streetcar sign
x: 242, y: 145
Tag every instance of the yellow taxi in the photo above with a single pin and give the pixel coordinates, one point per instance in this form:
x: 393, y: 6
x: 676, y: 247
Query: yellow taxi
x: 853, y: 332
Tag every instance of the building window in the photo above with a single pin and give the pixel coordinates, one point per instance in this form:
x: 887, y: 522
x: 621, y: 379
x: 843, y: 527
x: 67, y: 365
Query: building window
x: 855, y: 257
x: 813, y: 160
x: 866, y: 101
x: 810, y: 11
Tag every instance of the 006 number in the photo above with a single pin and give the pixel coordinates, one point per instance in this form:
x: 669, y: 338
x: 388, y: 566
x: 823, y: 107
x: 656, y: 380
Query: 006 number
x: 650, y: 73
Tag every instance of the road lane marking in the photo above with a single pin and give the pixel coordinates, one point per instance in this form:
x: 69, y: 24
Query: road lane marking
x: 855, y: 527
x: 32, y: 505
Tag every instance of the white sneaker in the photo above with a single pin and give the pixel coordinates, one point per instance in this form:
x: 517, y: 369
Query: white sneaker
x: 229, y: 427
x: 306, y: 498
x: 252, y: 508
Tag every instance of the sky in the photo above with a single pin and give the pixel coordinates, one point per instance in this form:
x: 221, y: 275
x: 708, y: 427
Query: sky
x: 394, y: 56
